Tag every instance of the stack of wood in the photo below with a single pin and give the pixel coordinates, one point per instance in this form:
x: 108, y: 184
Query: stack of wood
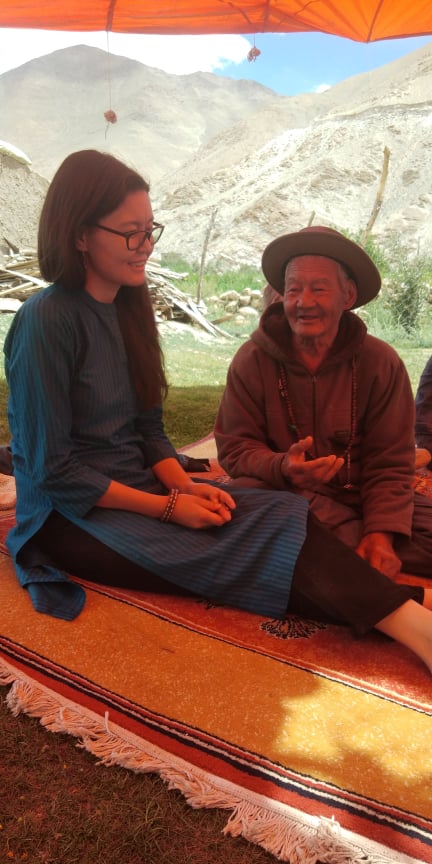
x: 20, y: 277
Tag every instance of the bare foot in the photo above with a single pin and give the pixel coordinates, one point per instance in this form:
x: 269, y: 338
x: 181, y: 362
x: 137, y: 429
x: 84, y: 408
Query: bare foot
x: 427, y: 602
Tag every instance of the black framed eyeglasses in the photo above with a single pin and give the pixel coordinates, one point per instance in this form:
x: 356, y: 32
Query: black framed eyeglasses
x: 135, y: 239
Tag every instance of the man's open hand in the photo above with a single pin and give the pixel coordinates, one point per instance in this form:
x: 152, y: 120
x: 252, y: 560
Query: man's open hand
x: 309, y: 473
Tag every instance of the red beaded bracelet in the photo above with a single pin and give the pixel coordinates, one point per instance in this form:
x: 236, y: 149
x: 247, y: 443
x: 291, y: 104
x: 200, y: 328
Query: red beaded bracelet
x: 169, y: 509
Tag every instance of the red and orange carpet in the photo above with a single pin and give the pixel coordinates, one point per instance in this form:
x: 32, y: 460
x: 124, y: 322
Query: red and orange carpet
x: 318, y: 746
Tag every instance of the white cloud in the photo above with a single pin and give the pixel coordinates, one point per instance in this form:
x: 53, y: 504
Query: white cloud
x: 322, y: 88
x: 174, y: 54
x: 183, y: 54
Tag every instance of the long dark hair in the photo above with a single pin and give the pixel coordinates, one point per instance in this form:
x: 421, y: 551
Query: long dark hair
x: 88, y: 186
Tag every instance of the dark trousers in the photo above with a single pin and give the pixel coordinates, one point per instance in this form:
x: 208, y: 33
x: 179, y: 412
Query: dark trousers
x: 331, y: 582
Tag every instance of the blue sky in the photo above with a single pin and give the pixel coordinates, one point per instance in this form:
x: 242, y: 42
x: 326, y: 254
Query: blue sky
x: 289, y: 63
x: 304, y: 62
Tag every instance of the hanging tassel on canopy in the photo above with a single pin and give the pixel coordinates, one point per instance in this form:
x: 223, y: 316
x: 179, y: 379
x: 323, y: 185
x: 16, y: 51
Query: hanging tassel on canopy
x: 253, y: 53
x: 110, y: 115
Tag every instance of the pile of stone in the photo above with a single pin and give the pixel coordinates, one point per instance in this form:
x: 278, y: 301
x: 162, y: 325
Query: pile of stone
x: 237, y: 306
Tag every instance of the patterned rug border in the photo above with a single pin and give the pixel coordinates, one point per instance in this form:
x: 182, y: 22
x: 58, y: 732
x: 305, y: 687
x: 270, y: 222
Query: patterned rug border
x: 289, y: 834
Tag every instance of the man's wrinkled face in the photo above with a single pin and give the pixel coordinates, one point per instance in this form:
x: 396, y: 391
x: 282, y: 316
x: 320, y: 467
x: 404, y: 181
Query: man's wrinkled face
x: 317, y: 292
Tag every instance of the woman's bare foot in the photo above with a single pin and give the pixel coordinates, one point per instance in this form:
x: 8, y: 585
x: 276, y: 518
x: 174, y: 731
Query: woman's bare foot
x: 411, y: 625
x: 427, y: 602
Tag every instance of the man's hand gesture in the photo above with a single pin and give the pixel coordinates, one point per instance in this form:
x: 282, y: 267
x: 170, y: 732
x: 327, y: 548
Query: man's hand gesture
x: 309, y: 473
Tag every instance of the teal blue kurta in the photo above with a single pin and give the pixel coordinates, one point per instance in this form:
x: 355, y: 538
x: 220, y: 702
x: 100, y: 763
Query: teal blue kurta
x: 76, y: 426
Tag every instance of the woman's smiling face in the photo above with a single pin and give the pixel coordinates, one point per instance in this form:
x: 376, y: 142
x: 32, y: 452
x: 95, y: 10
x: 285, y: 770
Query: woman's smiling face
x: 108, y: 261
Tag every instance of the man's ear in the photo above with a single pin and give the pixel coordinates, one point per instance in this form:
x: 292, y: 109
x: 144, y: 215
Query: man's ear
x: 350, y: 293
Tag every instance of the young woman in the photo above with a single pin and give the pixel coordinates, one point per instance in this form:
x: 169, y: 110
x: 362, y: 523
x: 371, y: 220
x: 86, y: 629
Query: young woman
x: 100, y: 491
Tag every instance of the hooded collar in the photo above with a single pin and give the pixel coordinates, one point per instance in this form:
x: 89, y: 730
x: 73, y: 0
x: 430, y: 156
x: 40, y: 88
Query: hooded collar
x: 274, y: 336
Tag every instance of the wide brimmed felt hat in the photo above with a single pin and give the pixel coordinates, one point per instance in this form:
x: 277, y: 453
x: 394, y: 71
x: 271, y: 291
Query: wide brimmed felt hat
x: 328, y: 243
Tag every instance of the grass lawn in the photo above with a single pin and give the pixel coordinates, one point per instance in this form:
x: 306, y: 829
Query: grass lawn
x: 197, y: 364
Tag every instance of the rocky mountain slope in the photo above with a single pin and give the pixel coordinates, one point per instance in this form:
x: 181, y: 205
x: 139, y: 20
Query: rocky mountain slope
x: 255, y: 163
x: 323, y: 156
x: 56, y: 104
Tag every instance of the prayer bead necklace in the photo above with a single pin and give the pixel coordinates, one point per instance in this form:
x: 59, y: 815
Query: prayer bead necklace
x: 293, y: 426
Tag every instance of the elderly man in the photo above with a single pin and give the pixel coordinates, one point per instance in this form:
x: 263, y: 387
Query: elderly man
x: 316, y: 405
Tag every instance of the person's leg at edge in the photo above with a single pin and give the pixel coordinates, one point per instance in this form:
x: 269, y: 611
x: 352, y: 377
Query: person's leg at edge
x: 331, y: 582
x: 411, y: 625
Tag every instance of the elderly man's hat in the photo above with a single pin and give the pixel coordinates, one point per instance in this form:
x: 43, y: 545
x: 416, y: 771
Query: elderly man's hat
x: 319, y: 240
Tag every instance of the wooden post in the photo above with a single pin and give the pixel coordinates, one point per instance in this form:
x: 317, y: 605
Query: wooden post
x: 204, y: 252
x: 379, y: 198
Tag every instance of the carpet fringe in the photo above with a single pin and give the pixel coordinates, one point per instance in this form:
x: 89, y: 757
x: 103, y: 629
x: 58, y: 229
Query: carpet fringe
x: 296, y: 838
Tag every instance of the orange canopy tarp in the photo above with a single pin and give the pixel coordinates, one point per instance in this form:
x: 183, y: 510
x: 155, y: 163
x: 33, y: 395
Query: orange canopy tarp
x: 360, y: 20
